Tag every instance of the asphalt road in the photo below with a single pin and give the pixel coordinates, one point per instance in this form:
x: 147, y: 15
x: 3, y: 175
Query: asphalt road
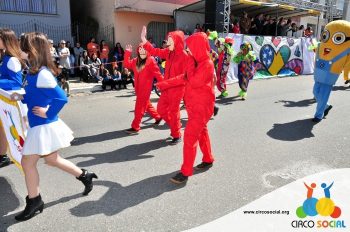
x: 260, y: 145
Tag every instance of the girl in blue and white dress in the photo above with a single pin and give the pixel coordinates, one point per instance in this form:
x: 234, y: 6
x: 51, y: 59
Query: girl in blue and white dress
x: 10, y: 79
x: 47, y: 133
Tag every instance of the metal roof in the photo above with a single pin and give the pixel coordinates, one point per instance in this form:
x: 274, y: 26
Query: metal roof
x: 253, y: 8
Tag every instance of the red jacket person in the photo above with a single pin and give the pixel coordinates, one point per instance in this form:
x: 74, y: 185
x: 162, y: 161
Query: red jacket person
x: 169, y: 102
x: 200, y: 100
x: 145, y: 69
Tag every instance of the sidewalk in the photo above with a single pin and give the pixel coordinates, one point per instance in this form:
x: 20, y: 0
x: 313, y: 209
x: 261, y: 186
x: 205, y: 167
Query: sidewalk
x: 77, y: 86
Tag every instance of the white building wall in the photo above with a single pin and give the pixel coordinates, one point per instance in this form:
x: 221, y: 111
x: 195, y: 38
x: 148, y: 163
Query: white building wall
x: 61, y: 19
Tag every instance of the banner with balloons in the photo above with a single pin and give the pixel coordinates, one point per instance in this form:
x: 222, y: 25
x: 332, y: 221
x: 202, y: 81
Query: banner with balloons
x: 12, y: 123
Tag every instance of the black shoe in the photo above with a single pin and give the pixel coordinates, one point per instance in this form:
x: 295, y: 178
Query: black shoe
x: 316, y: 120
x: 347, y: 82
x: 86, y: 177
x: 203, y: 166
x: 4, y: 161
x: 216, y: 110
x: 156, y: 123
x: 175, y: 141
x: 327, y: 111
x: 132, y: 131
x: 179, y: 178
x: 33, y: 206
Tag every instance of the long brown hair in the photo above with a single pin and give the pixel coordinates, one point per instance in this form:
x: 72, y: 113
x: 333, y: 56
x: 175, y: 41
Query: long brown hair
x: 11, y: 44
x: 37, y: 47
x: 140, y: 63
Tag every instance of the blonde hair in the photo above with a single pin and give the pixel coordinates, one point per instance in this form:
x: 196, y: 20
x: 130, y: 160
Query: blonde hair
x: 37, y: 46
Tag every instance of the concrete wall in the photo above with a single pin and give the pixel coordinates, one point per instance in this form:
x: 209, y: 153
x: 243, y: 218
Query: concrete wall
x: 128, y: 31
x: 62, y: 18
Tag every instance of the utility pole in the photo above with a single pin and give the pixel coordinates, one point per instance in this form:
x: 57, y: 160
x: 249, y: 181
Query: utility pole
x: 346, y: 10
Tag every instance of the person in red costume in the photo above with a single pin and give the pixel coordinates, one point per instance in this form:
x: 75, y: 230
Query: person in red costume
x: 175, y: 57
x: 145, y: 69
x: 200, y: 100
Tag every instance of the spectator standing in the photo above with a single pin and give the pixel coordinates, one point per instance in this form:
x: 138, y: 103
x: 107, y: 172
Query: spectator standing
x: 236, y: 28
x: 92, y: 47
x: 286, y: 27
x: 280, y: 26
x: 71, y: 57
x: 245, y: 23
x: 63, y: 53
x: 300, y: 32
x: 150, y: 39
x: 78, y: 52
x: 291, y: 32
x: 104, y: 52
x: 53, y: 52
x: 259, y: 22
x: 308, y: 32
x: 118, y: 54
x: 198, y: 28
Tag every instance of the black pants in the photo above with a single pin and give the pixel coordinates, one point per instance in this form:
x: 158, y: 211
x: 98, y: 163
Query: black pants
x: 109, y: 82
x: 128, y: 81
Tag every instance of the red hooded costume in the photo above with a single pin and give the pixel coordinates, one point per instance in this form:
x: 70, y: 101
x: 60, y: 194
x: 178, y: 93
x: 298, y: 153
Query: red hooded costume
x: 169, y: 102
x: 199, y: 98
x: 143, y: 80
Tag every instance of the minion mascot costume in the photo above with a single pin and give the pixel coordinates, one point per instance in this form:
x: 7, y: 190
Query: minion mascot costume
x: 333, y: 56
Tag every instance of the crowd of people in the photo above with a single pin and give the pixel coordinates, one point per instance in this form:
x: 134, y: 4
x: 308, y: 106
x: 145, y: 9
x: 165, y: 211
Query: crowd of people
x: 264, y: 25
x: 94, y: 63
x: 190, y: 74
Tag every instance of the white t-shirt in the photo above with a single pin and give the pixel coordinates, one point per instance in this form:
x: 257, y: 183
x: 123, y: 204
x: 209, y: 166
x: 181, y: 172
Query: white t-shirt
x: 64, y: 61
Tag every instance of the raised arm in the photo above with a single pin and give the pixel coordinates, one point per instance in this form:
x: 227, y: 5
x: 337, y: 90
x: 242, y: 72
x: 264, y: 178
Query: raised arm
x: 162, y: 53
x: 128, y: 62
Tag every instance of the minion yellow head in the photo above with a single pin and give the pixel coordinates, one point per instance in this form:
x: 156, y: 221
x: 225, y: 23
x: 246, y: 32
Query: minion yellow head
x: 334, y: 39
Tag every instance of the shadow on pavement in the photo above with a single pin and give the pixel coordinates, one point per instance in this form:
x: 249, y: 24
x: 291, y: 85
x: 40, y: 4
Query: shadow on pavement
x: 341, y: 88
x: 103, y: 137
x: 8, y: 203
x: 119, y: 198
x: 292, y: 131
x: 302, y: 103
x: 227, y: 100
x: 128, y: 153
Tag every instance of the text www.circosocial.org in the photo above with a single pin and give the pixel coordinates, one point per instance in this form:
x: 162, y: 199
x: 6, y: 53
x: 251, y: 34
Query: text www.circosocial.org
x: 283, y: 212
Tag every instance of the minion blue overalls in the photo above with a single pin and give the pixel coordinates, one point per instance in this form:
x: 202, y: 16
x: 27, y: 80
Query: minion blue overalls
x: 324, y: 81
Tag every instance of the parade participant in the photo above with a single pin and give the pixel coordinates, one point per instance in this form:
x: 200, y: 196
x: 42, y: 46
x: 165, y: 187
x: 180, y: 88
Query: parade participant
x: 225, y: 55
x: 332, y: 55
x: 200, y: 100
x: 145, y: 69
x: 169, y: 102
x: 47, y: 133
x: 10, y: 79
x: 246, y: 67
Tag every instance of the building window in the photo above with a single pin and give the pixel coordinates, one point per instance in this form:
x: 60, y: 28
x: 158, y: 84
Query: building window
x: 29, y: 6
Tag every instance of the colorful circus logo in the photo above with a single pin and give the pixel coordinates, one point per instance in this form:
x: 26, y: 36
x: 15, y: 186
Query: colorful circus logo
x: 17, y: 138
x: 324, y: 206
